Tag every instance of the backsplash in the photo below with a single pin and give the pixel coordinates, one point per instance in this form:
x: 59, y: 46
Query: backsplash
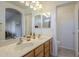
x: 46, y: 31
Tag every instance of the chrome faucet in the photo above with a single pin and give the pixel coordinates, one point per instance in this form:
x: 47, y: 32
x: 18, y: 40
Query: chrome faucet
x: 20, y: 41
x: 33, y: 35
x: 39, y: 35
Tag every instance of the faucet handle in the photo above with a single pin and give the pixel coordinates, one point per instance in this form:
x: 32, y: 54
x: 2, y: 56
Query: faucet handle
x: 30, y: 33
x: 39, y: 35
x: 24, y: 36
x: 20, y: 41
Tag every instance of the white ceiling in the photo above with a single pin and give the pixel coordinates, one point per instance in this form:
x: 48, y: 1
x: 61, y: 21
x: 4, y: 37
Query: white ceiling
x: 46, y: 4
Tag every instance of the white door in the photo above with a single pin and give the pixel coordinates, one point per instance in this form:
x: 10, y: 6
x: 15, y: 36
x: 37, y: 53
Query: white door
x: 65, y: 26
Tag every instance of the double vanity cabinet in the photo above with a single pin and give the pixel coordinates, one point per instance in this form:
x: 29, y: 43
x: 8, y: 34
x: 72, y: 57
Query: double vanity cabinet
x: 44, y: 50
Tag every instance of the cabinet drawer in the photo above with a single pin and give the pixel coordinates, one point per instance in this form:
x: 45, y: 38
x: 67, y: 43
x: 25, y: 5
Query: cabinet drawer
x: 38, y: 50
x: 30, y: 54
x: 47, y: 51
x: 47, y: 44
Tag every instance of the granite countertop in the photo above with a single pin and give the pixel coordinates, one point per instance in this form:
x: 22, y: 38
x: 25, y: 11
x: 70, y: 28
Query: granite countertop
x: 13, y: 50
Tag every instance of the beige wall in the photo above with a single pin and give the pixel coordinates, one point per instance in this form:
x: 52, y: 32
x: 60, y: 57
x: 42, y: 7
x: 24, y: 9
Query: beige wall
x: 65, y: 26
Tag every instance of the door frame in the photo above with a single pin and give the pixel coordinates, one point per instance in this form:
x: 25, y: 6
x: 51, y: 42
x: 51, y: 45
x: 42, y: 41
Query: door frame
x: 76, y: 28
x: 75, y: 45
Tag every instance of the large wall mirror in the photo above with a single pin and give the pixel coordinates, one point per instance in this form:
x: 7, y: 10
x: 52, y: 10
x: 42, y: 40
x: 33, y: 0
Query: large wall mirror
x: 46, y: 21
x: 13, y: 23
x: 42, y: 21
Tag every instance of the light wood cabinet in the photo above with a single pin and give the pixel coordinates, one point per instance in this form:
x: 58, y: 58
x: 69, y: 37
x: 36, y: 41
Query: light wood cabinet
x: 47, y: 54
x: 47, y: 48
x: 41, y: 54
x: 47, y: 44
x: 39, y: 51
x: 30, y: 54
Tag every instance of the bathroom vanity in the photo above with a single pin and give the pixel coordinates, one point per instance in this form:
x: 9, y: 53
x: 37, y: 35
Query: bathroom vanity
x: 41, y: 47
x: 44, y: 50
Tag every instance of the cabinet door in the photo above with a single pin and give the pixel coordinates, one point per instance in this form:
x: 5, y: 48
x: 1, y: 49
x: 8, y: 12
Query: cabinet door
x: 47, y: 54
x: 41, y: 54
x: 39, y: 51
x: 47, y: 49
x: 30, y: 54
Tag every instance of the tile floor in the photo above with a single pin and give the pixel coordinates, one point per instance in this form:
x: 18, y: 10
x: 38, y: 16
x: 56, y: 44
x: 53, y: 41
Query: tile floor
x: 62, y: 52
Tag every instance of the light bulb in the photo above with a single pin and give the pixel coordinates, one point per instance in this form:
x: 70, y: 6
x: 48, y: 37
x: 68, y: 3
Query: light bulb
x: 31, y: 6
x: 44, y: 14
x: 27, y: 3
x: 37, y: 2
x: 21, y: 1
x: 48, y: 13
x: 34, y: 8
x: 33, y: 1
x: 40, y: 6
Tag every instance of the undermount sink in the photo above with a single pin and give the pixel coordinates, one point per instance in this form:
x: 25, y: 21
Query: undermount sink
x: 24, y: 45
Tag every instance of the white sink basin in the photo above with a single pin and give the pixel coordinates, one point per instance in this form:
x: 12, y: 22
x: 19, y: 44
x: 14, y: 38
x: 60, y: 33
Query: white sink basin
x: 23, y: 45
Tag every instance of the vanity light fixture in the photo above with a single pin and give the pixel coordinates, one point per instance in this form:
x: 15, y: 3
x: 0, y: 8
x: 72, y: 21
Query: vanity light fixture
x: 21, y: 1
x: 35, y: 5
x: 47, y: 14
